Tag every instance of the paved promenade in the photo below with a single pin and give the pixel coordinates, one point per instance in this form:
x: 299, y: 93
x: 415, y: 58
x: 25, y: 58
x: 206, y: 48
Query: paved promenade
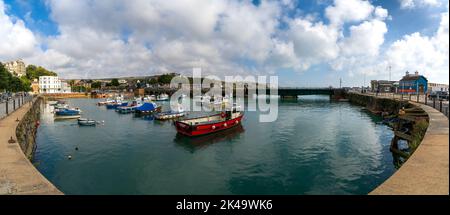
x: 427, y: 171
x: 17, y: 174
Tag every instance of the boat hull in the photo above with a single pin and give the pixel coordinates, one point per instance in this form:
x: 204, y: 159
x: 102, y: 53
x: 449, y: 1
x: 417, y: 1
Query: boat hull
x: 144, y: 113
x: 67, y: 117
x: 203, y: 129
x: 167, y: 116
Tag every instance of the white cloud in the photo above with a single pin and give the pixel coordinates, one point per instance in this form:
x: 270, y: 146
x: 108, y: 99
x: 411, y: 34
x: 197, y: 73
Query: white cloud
x: 16, y: 41
x: 348, y: 11
x: 313, y: 42
x: 365, y: 39
x: 121, y: 38
x: 410, y: 4
x: 428, y: 55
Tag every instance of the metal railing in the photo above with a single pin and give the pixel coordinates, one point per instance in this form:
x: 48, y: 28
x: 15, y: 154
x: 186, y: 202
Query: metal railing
x: 10, y: 105
x: 439, y: 104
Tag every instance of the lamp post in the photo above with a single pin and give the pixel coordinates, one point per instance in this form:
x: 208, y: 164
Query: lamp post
x: 417, y: 91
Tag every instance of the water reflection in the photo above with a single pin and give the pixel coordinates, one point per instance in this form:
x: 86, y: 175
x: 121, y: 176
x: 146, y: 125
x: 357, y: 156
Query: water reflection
x: 192, y: 144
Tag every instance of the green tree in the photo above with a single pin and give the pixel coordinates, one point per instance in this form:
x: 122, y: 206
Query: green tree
x: 96, y: 85
x: 5, y: 78
x: 165, y: 78
x: 153, y: 81
x: 115, y: 82
x: 33, y: 72
x: 26, y: 84
x: 10, y: 83
x: 79, y: 89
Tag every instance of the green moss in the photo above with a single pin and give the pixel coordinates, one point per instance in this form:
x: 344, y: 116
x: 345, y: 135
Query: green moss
x: 418, y: 133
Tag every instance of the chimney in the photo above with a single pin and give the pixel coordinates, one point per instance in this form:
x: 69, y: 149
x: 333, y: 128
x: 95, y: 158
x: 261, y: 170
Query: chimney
x: 416, y: 73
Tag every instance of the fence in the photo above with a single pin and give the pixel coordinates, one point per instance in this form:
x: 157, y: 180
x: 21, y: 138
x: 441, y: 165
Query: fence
x: 9, y: 106
x: 438, y: 104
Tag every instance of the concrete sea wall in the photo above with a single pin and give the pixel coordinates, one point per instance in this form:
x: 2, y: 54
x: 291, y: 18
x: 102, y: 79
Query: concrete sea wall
x: 17, y: 174
x: 378, y: 105
x: 27, y: 128
x: 426, y: 172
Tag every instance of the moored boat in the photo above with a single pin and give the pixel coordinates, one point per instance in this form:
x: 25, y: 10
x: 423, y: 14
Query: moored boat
x: 86, y: 122
x: 162, y: 97
x: 129, y: 108
x: 67, y: 114
x: 209, y: 124
x: 147, y: 109
x: 171, y: 114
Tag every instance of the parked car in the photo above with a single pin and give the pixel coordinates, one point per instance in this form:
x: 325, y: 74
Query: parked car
x: 438, y: 95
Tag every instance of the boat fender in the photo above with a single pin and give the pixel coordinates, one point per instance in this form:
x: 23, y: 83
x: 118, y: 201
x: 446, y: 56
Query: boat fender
x: 225, y: 124
x: 237, y: 121
x: 213, y: 127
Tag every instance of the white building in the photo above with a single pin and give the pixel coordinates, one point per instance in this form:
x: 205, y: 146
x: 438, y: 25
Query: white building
x: 434, y: 87
x: 52, y: 84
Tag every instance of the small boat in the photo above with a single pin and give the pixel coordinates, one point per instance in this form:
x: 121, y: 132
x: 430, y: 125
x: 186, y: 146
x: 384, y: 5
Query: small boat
x: 202, y: 99
x: 52, y: 102
x: 162, y: 97
x: 86, y: 122
x: 115, y: 104
x: 129, y: 108
x: 108, y: 101
x: 67, y: 114
x: 147, y: 109
x: 209, y: 124
x: 171, y: 114
x: 56, y: 102
x: 149, y: 98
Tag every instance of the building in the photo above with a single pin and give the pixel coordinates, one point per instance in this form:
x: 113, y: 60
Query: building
x: 35, y: 86
x: 65, y: 87
x: 383, y: 86
x: 17, y: 68
x: 434, y: 87
x: 413, y: 84
x: 52, y: 84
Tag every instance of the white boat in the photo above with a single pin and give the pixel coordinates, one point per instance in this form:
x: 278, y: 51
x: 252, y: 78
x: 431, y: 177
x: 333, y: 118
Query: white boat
x: 203, y: 99
x: 162, y: 97
x: 86, y: 122
x: 179, y: 112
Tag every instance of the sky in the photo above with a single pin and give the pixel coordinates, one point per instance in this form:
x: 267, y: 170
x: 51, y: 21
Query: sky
x: 306, y: 43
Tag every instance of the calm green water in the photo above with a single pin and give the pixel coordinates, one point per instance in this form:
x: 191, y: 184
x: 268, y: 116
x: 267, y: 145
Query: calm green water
x: 315, y: 147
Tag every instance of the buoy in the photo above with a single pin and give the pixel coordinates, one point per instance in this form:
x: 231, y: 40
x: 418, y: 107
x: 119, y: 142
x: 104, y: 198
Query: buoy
x: 76, y: 148
x: 69, y: 157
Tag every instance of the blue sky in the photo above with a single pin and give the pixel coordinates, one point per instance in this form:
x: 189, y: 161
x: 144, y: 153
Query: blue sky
x: 276, y: 32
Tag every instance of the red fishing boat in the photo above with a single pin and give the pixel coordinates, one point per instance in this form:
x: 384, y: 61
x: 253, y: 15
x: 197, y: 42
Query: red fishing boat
x: 209, y: 124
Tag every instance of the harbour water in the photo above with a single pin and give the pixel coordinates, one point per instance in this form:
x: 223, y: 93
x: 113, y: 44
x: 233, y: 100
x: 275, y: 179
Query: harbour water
x: 315, y: 147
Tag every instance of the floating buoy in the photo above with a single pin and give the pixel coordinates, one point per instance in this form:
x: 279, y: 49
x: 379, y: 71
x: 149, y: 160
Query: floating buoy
x: 76, y: 148
x: 69, y: 157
